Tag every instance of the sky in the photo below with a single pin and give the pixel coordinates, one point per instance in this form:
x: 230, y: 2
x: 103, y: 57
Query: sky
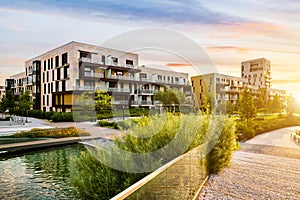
x: 228, y: 31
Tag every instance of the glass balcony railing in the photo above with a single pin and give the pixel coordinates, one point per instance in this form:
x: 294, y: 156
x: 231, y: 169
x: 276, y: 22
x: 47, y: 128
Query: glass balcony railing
x: 95, y: 75
x: 146, y: 91
x: 90, y: 60
x: 143, y: 102
x: 119, y: 77
x: 118, y: 89
x: 85, y: 88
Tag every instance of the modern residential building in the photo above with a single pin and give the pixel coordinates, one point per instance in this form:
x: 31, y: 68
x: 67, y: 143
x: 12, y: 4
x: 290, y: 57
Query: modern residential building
x: 255, y: 75
x: 18, y: 84
x: 218, y: 86
x: 57, y: 77
x: 257, y: 72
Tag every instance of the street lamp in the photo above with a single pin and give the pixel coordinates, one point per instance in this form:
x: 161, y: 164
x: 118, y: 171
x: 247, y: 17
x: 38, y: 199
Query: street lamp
x: 123, y: 111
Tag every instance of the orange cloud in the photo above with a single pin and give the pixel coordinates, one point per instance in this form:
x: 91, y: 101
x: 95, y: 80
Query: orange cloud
x: 178, y: 64
x: 227, y: 48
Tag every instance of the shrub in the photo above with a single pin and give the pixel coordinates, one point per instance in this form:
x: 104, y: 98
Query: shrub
x: 220, y: 156
x: 62, y: 117
x: 52, y: 133
x: 104, y: 123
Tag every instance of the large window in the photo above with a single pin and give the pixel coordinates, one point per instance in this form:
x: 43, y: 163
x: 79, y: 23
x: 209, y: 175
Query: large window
x: 64, y: 59
x: 56, y: 61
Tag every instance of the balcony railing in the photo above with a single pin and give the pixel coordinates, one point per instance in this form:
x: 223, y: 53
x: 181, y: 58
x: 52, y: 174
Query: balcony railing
x: 85, y: 88
x: 164, y: 81
x: 146, y: 91
x: 143, y: 102
x: 90, y: 60
x: 95, y: 75
x: 131, y: 78
x: 118, y: 89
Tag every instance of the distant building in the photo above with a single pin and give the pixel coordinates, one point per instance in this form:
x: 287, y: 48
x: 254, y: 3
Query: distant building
x: 255, y: 75
x: 2, y: 92
x: 220, y: 87
x: 257, y: 72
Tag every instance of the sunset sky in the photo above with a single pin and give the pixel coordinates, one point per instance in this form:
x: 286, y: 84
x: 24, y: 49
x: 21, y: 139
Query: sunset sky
x: 229, y: 31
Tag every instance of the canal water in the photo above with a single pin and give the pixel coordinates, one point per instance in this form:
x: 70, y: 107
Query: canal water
x: 39, y: 175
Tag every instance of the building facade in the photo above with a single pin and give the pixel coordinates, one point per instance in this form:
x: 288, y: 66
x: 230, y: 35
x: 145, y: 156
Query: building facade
x: 57, y: 77
x: 257, y: 72
x: 220, y: 87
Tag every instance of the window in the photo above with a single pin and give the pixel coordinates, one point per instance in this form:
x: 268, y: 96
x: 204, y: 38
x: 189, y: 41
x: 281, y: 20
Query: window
x: 47, y: 76
x: 103, y: 59
x: 45, y: 63
x: 56, y: 61
x: 49, y: 64
x: 142, y: 75
x: 129, y: 62
x: 45, y: 88
x: 64, y: 58
x: 176, y: 79
x: 63, y: 86
x: 114, y: 60
x: 192, y: 83
x: 201, y: 88
x: 49, y: 88
x: 201, y: 96
x: 58, y: 74
x: 47, y: 100
x: 52, y: 75
x: 200, y: 81
x: 85, y: 54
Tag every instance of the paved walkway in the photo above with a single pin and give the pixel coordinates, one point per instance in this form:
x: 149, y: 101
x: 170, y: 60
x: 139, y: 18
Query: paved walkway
x: 266, y: 167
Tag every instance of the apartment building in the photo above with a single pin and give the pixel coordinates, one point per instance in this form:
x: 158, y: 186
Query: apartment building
x: 17, y: 83
x: 57, y: 77
x: 257, y: 72
x: 220, y: 87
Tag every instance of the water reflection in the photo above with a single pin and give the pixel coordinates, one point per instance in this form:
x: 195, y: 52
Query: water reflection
x: 39, y: 175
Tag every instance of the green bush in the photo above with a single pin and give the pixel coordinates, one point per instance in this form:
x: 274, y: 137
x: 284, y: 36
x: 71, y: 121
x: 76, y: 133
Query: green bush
x: 220, y: 156
x: 62, y: 117
x: 104, y: 123
x: 181, y: 133
x: 51, y: 133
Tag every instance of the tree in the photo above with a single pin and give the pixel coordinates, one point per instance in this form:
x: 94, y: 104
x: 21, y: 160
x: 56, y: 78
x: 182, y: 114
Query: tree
x: 291, y: 105
x: 9, y: 101
x: 24, y: 101
x: 261, y: 103
x: 276, y: 104
x: 103, y: 101
x: 170, y: 98
x: 208, y: 103
x: 246, y: 107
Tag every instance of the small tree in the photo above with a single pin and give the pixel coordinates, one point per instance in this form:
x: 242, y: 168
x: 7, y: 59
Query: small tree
x: 209, y: 103
x: 276, y: 104
x: 170, y: 98
x: 103, y: 101
x: 246, y: 107
x: 291, y: 105
x: 24, y: 101
x: 9, y: 101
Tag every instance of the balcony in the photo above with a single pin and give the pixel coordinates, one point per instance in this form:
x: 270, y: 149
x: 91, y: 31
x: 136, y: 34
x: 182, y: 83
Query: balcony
x: 119, y: 77
x: 142, y: 103
x: 146, y: 91
x: 93, y: 75
x: 118, y: 89
x: 90, y: 60
x: 85, y: 88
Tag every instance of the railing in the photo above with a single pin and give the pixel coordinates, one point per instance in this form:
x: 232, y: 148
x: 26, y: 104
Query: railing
x: 118, y: 89
x: 97, y: 75
x: 143, y: 102
x: 85, y: 88
x: 124, y: 77
x: 90, y: 60
x: 164, y: 81
x: 182, y: 178
x: 146, y: 91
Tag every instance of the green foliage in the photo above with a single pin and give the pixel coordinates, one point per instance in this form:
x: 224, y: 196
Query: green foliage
x: 103, y: 101
x: 51, y: 133
x: 291, y: 105
x: 94, y: 180
x: 104, y: 123
x: 24, y: 101
x: 62, y: 117
x: 244, y: 132
x: 246, y: 107
x: 208, y: 103
x: 180, y: 133
x: 170, y: 98
x: 276, y: 104
x: 9, y: 101
x: 220, y: 156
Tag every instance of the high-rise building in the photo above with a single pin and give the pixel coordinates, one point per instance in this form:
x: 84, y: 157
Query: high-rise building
x: 257, y: 72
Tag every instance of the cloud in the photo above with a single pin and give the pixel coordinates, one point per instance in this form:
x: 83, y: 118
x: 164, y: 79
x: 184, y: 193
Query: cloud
x: 227, y: 48
x: 178, y: 65
x: 190, y: 11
